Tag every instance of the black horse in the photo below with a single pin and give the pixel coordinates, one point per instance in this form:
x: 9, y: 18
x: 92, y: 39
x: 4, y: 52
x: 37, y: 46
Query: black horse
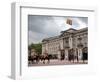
x: 33, y: 59
x: 37, y: 58
x: 45, y: 57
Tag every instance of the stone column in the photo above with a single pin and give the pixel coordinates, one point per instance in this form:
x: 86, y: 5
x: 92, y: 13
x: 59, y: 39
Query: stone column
x: 59, y: 54
x: 70, y: 43
x: 80, y: 54
x: 66, y: 54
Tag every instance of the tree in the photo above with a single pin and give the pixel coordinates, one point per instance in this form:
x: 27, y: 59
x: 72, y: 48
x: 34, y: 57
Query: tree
x: 30, y: 47
x: 37, y: 47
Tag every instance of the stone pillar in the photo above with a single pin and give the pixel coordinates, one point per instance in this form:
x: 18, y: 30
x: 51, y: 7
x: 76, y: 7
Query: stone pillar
x: 70, y: 43
x: 59, y: 54
x: 80, y: 54
x: 66, y: 54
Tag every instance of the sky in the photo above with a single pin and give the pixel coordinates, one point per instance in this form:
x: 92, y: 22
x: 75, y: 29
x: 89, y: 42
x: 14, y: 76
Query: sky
x: 40, y: 27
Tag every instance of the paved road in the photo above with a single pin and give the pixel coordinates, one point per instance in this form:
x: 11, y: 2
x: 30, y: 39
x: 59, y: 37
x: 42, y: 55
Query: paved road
x: 57, y: 62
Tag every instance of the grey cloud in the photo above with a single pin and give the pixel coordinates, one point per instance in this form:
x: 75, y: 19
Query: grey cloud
x: 47, y: 26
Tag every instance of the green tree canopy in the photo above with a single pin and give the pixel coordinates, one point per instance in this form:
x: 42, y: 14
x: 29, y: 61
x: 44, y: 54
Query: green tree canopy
x: 37, y: 47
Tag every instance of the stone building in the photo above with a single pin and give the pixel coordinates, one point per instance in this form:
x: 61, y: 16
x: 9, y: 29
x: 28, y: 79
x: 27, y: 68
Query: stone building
x: 69, y: 42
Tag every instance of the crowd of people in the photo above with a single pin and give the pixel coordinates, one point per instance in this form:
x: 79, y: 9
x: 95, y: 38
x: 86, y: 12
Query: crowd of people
x: 35, y: 59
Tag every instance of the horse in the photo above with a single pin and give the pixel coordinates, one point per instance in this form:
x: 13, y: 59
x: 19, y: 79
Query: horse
x: 45, y: 57
x: 33, y: 59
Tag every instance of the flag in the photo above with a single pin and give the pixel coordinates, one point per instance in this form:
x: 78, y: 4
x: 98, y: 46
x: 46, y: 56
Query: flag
x: 69, y: 21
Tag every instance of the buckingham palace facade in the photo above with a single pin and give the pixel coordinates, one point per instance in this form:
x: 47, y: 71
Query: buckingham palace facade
x: 69, y: 42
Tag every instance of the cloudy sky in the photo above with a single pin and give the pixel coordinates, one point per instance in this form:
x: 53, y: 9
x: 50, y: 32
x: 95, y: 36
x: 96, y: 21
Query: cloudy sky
x: 40, y: 27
